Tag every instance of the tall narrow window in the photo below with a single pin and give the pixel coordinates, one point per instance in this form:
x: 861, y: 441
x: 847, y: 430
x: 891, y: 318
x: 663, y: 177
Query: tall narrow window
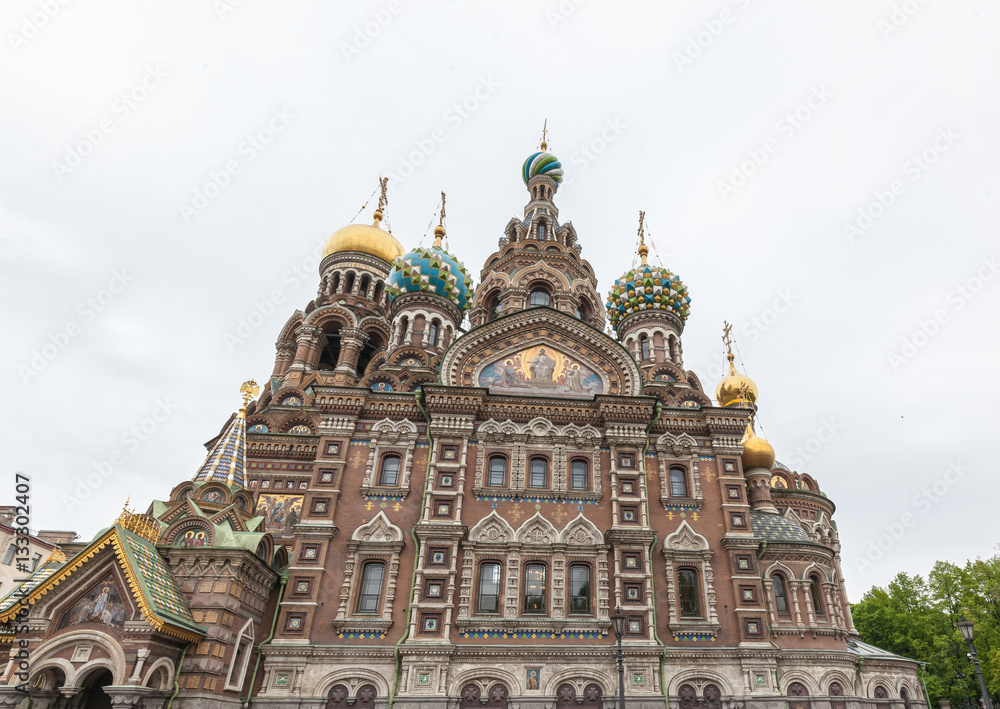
x: 539, y: 298
x: 817, y: 599
x: 644, y: 347
x: 579, y: 475
x: 432, y: 334
x: 371, y: 587
x: 579, y: 588
x: 9, y: 554
x: 780, y: 597
x: 496, y: 307
x: 349, y: 283
x: 541, y: 231
x: 687, y: 584
x: 678, y: 482
x: 534, y: 588
x: 403, y: 327
x: 498, y: 472
x: 489, y: 588
x: 389, y: 473
x: 241, y: 657
x: 539, y: 473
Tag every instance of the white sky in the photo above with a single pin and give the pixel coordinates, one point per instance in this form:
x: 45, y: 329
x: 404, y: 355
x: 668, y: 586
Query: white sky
x: 673, y: 130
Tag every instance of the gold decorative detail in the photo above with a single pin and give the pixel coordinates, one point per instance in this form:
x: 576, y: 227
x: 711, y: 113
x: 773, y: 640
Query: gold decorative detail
x: 139, y: 524
x: 439, y: 229
x: 249, y: 389
x: 57, y: 555
x: 757, y: 452
x: 735, y: 389
x: 545, y: 130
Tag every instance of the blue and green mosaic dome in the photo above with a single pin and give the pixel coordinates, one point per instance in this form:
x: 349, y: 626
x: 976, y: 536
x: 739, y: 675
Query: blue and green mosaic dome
x: 648, y: 288
x: 432, y: 270
x: 542, y: 163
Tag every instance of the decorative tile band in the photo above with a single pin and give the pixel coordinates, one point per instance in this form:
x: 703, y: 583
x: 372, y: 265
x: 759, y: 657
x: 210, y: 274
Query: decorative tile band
x: 682, y: 508
x: 695, y: 637
x: 423, y: 444
x: 706, y: 457
x: 280, y: 466
x: 538, y: 635
x: 518, y: 498
x: 361, y: 636
x: 385, y: 498
x: 360, y: 442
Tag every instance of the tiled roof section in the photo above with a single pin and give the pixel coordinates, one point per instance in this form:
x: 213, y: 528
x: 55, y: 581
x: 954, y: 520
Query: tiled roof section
x: 157, y: 583
x: 23, y: 589
x: 225, y: 462
x: 776, y: 528
x: 865, y: 650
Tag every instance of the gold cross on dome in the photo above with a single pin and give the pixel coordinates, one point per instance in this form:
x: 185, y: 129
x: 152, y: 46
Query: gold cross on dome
x: 727, y: 338
x: 383, y: 183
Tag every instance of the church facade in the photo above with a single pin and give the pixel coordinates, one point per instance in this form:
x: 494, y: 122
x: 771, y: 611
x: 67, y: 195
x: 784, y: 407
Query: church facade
x: 441, y: 497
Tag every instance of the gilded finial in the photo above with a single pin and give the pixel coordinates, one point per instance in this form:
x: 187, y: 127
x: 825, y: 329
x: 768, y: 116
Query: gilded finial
x: 545, y: 130
x: 138, y: 524
x: 249, y: 389
x: 57, y: 555
x: 383, y: 200
x: 643, y: 249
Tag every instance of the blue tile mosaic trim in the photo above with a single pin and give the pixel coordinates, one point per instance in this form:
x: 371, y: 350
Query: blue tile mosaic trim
x: 695, y: 637
x: 518, y: 498
x: 361, y: 636
x: 488, y: 634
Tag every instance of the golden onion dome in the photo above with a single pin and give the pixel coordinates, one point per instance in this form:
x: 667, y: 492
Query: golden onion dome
x: 370, y: 240
x: 757, y: 452
x: 736, y: 389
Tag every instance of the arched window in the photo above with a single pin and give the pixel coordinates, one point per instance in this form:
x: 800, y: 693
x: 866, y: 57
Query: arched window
x: 336, y: 282
x: 905, y: 696
x: 534, y: 588
x: 363, y: 288
x: 883, y: 694
x: 837, y: 691
x: 713, y: 697
x: 489, y: 588
x: 365, y: 697
x: 470, y: 697
x: 539, y: 473
x: 579, y: 475
x: 389, y: 472
x: 579, y: 588
x: 336, y: 698
x: 687, y: 584
x: 780, y: 596
x: 541, y: 231
x: 687, y: 697
x: 404, y: 326
x: 798, y: 696
x: 377, y: 295
x: 349, y: 282
x: 432, y: 333
x: 371, y: 587
x: 644, y: 347
x: 497, y: 476
x: 678, y: 482
x: 582, y: 311
x: 539, y: 298
x: 496, y: 308
x: 817, y: 598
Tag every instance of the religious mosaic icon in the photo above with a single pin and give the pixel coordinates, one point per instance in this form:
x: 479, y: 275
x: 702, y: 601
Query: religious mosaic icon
x: 102, y: 605
x: 542, y: 371
x: 280, y: 512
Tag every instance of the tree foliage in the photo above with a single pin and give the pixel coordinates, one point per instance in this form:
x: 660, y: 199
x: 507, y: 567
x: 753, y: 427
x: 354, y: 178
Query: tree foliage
x: 919, y: 619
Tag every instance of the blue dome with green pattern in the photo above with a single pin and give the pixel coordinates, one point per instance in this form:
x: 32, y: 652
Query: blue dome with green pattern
x: 542, y: 163
x: 648, y: 288
x: 432, y: 270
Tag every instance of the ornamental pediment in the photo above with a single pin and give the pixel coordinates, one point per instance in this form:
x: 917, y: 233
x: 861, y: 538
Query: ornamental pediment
x: 541, y: 352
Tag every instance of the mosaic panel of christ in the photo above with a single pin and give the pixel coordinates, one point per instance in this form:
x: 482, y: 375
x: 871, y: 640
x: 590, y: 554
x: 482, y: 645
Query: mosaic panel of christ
x: 541, y: 370
x: 102, y: 605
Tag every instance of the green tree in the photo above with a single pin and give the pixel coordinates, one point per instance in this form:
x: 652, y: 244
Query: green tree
x: 919, y: 619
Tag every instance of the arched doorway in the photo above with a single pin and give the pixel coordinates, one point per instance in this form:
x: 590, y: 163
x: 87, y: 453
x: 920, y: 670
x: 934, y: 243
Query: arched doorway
x: 365, y: 698
x: 470, y: 697
x: 94, y: 696
x: 687, y: 697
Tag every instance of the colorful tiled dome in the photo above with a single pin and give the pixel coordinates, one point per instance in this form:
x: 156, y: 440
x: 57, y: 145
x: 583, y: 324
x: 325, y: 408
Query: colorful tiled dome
x: 647, y: 288
x: 431, y: 270
x: 542, y: 163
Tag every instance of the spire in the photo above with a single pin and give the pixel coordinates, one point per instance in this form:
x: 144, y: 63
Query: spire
x: 225, y: 463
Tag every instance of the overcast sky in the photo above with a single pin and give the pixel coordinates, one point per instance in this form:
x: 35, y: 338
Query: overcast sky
x: 822, y: 175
